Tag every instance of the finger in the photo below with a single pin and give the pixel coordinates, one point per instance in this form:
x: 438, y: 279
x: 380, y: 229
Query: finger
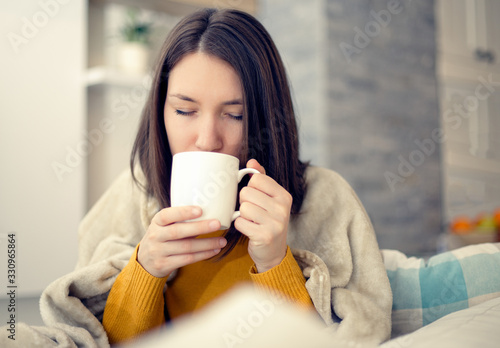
x: 253, y: 163
x: 247, y: 227
x: 181, y: 260
x: 184, y: 230
x: 194, y: 245
x: 275, y: 208
x: 253, y: 213
x: 257, y: 197
x: 270, y: 187
x: 171, y: 215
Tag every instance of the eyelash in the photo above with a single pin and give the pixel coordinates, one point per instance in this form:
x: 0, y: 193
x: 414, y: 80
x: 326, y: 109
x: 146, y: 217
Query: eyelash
x: 236, y: 117
x: 191, y: 113
x: 184, y: 113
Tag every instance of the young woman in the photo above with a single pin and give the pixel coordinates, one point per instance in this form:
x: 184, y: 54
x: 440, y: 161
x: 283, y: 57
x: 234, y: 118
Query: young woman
x: 302, y: 236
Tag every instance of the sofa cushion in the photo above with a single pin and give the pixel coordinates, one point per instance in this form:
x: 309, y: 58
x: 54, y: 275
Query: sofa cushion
x: 424, y: 291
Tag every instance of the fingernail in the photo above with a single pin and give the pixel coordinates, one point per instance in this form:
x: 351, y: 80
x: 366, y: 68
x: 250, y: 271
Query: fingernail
x: 214, y: 224
x: 216, y: 251
x: 222, y: 242
x: 196, y: 211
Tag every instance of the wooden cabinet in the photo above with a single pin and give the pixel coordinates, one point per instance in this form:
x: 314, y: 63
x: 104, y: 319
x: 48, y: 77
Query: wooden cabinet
x: 469, y: 32
x: 468, y: 69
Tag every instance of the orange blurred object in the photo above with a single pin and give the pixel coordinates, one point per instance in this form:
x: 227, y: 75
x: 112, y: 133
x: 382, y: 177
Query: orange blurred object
x: 461, y: 225
x: 496, y: 217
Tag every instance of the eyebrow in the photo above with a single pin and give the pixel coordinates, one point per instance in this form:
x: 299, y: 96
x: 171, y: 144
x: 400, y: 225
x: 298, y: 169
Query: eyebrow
x: 189, y: 99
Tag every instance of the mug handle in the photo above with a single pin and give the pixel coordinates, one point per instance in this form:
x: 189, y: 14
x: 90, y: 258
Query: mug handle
x: 241, y: 174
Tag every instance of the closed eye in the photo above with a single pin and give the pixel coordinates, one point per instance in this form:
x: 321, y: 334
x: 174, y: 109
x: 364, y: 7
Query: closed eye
x: 184, y: 113
x: 235, y: 116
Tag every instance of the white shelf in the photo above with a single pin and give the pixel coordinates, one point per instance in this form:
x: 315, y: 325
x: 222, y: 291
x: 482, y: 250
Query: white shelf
x: 107, y: 76
x: 183, y: 7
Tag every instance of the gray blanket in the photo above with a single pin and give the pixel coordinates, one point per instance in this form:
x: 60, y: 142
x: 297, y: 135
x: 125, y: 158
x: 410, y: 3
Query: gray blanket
x: 332, y: 240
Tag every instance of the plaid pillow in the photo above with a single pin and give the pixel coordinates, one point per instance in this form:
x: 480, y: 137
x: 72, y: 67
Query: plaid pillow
x: 426, y: 291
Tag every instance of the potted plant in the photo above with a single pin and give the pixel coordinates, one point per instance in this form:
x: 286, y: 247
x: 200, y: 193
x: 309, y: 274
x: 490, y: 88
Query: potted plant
x: 134, y: 49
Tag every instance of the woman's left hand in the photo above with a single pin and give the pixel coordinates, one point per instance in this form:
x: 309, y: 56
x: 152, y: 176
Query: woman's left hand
x: 265, y: 211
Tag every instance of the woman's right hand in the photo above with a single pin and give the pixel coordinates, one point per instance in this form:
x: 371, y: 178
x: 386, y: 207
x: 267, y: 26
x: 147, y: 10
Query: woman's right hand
x: 170, y: 243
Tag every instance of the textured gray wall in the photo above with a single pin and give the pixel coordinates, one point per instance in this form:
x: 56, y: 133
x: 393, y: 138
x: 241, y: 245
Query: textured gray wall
x: 363, y: 76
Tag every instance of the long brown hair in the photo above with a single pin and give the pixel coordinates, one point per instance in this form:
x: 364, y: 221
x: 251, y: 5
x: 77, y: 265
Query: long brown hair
x: 269, y: 127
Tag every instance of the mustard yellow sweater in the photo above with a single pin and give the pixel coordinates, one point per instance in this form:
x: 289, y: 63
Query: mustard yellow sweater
x: 137, y: 300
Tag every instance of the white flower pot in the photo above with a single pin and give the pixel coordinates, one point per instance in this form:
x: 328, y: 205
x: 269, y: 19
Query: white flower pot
x: 133, y: 57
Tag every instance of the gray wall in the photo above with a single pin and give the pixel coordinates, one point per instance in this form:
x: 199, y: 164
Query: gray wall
x: 363, y: 75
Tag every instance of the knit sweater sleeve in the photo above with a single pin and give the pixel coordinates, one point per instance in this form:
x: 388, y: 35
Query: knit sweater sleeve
x: 285, y: 282
x: 135, y: 303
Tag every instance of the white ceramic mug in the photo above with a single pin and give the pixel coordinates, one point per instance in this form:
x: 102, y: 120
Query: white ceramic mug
x: 208, y: 180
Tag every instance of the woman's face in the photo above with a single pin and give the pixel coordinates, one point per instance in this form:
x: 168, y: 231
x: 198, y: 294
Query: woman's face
x: 204, y: 106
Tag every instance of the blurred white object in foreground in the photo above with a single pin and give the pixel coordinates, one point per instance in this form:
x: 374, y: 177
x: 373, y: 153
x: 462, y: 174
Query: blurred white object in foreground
x: 245, y: 318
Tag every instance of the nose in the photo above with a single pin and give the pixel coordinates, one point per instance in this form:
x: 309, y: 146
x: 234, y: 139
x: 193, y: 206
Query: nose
x: 209, y: 134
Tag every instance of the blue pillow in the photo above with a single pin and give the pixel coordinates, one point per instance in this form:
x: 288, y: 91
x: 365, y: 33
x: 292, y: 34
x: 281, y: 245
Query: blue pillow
x: 426, y: 291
